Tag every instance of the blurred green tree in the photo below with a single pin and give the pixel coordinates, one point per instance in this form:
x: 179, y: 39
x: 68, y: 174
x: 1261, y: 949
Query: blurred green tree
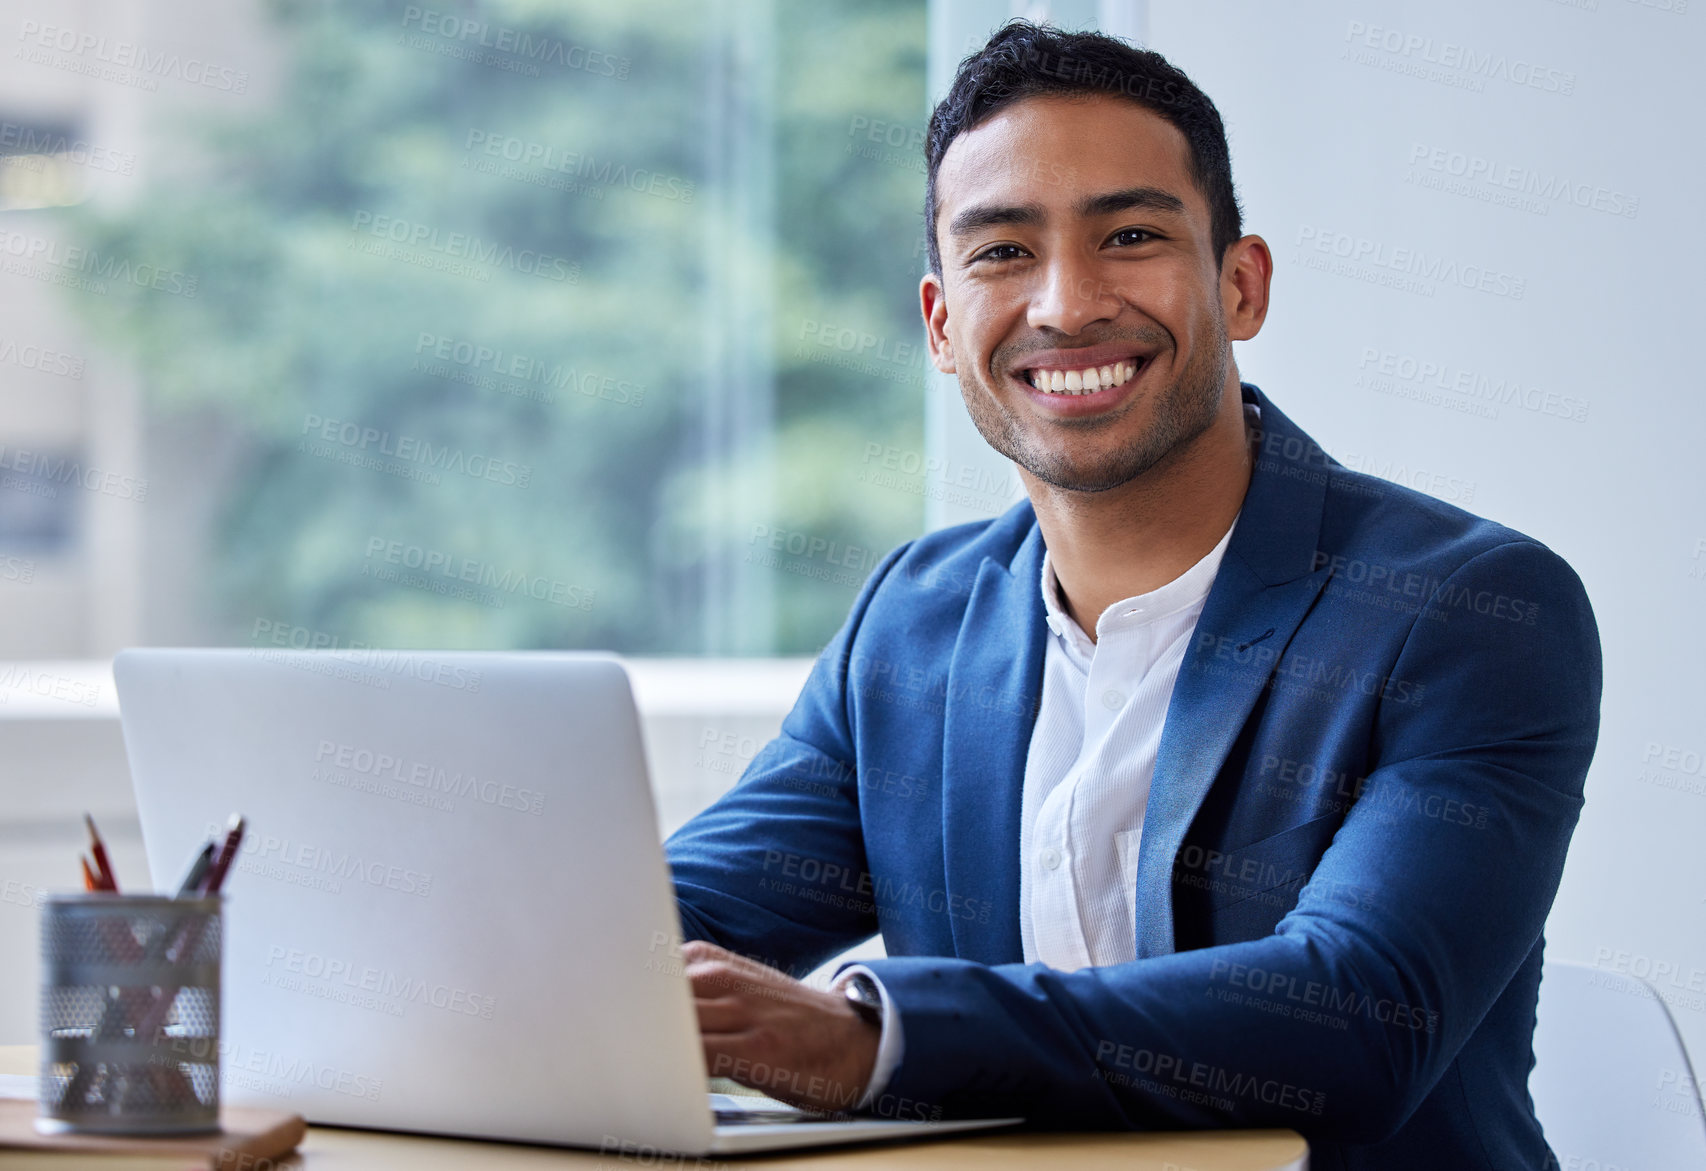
x: 454, y: 290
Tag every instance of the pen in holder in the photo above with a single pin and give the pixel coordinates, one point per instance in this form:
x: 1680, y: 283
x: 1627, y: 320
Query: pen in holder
x: 129, y: 1014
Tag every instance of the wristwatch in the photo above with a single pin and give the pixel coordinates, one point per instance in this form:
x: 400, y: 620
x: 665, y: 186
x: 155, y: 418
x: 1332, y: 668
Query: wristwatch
x: 862, y: 993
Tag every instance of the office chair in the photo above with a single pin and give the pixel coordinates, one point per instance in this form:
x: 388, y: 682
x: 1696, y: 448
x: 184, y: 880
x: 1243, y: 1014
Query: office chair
x: 1612, y: 1082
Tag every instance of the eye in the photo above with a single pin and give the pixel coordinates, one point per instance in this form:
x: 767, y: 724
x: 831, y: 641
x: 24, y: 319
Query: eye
x: 1128, y: 237
x: 999, y: 252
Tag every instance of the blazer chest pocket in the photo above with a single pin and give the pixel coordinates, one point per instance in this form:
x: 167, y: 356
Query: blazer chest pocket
x: 1269, y: 871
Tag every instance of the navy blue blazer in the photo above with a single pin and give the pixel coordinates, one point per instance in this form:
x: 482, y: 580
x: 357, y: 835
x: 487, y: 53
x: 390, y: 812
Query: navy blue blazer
x: 1368, y: 777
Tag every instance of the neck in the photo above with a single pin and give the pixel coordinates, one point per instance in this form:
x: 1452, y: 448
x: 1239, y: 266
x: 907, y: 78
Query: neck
x: 1107, y: 546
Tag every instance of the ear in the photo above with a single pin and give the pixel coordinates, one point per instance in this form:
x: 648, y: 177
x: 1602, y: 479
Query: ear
x: 1245, y: 274
x: 933, y: 299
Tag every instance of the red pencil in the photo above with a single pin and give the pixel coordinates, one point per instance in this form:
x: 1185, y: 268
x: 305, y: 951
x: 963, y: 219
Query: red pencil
x: 105, y: 879
x: 89, y: 882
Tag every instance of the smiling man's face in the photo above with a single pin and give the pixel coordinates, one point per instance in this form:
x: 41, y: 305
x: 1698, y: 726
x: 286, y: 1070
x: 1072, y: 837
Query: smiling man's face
x: 1079, y: 302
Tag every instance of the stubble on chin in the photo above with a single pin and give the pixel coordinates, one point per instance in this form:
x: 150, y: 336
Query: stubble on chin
x: 1183, y: 409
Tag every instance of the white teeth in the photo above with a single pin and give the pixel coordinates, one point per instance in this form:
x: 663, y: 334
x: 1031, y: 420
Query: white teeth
x: 1086, y: 381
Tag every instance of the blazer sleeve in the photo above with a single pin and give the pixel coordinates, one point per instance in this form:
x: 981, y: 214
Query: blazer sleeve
x: 1409, y: 928
x: 775, y: 868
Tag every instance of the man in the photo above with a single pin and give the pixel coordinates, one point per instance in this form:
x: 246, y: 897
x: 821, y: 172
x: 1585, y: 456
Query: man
x: 1216, y: 785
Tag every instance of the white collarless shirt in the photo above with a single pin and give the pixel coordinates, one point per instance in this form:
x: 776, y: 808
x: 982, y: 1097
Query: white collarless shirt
x: 1090, y: 763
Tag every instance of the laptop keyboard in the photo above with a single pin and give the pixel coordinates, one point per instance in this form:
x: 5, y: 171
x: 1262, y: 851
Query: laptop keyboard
x: 751, y: 1110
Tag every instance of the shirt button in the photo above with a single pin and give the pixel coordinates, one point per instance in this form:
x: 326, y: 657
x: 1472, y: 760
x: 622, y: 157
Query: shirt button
x: 1051, y: 858
x: 1113, y: 700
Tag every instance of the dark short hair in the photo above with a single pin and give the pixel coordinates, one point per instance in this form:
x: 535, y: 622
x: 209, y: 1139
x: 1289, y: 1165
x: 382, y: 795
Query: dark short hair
x: 1024, y: 60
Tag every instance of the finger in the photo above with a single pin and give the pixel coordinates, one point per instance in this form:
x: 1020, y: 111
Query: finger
x: 714, y: 978
x: 695, y: 950
x: 700, y: 952
x: 727, y: 1056
x: 737, y: 1057
x: 722, y: 1017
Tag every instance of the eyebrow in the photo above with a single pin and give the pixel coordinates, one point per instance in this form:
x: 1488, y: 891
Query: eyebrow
x: 989, y: 215
x: 1144, y: 198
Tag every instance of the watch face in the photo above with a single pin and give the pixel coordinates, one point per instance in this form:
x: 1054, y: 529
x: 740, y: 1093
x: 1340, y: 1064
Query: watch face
x: 862, y: 994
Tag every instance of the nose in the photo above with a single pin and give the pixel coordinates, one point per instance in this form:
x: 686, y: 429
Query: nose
x: 1071, y: 294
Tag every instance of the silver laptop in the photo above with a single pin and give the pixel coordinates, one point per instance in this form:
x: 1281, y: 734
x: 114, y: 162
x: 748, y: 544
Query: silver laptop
x: 451, y: 913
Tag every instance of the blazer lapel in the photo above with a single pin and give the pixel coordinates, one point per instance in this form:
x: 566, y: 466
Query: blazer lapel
x: 994, y: 687
x: 1266, y: 585
x: 1211, y: 701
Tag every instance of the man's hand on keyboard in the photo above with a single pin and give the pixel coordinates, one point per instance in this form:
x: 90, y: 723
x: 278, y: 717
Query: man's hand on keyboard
x: 764, y: 1029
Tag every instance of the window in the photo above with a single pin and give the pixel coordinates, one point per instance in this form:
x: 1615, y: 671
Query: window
x: 490, y: 325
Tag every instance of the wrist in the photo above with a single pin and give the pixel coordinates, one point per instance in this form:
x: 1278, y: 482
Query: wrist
x: 878, y: 1064
x: 864, y: 998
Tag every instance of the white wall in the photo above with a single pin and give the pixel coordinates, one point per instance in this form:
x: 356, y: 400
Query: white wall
x: 1334, y: 141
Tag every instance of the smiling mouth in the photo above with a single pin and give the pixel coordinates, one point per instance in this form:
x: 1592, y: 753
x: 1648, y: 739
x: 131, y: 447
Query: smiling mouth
x: 1087, y: 380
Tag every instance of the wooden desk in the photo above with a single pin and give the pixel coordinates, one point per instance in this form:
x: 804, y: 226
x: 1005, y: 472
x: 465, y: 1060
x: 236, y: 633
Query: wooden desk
x: 333, y: 1149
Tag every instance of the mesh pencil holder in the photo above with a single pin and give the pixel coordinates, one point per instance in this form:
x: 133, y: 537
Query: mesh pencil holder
x: 129, y: 1014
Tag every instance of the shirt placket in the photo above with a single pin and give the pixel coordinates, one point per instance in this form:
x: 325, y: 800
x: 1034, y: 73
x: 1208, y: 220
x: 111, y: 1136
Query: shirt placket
x: 1055, y: 921
x: 1107, y: 695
